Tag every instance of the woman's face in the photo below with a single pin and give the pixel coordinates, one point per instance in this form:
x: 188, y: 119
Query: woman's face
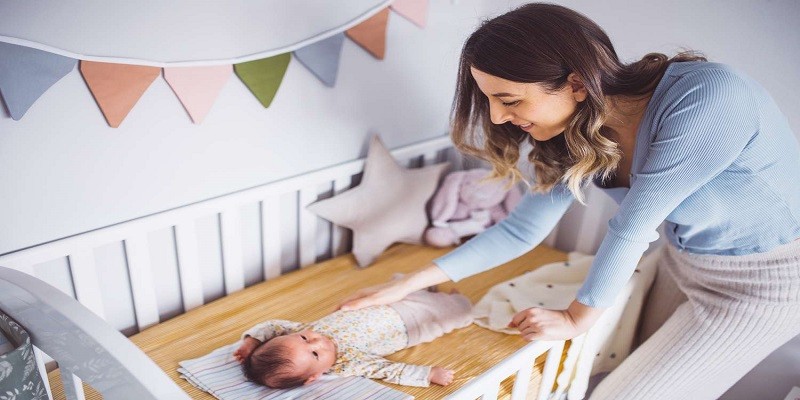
x: 529, y: 106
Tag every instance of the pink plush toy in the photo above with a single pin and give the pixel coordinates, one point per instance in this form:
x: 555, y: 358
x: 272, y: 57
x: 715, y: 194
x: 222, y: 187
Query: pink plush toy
x: 464, y: 205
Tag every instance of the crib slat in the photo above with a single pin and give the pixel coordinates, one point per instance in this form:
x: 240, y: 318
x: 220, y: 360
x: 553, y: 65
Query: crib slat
x: 233, y: 268
x: 271, y: 236
x: 551, y: 364
x: 522, y: 380
x: 339, y: 234
x: 140, y: 271
x: 307, y: 227
x: 85, y: 280
x: 42, y: 368
x: 188, y: 265
x: 73, y: 386
x: 490, y: 392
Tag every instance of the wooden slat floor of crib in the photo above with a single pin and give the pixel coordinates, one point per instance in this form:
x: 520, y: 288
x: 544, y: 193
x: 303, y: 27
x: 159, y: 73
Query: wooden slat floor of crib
x: 315, y: 291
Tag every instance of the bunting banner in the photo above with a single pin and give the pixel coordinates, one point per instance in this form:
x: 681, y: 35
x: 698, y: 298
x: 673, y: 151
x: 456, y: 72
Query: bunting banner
x: 117, y: 87
x: 263, y: 77
x: 322, y: 58
x: 371, y: 34
x: 197, y: 87
x: 26, y: 73
x: 415, y: 11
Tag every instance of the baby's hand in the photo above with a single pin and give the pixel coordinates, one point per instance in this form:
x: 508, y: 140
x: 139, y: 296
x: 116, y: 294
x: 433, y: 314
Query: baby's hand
x: 441, y: 376
x: 247, y: 347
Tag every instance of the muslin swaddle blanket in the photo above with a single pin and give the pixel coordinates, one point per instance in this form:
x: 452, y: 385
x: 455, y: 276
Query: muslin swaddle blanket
x: 554, y: 286
x: 219, y: 374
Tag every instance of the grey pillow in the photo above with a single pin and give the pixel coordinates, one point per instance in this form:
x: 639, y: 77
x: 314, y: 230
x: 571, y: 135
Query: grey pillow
x: 19, y: 377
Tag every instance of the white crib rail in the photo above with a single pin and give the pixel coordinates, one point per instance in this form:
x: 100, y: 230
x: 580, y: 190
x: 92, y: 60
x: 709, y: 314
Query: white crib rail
x: 521, y: 363
x: 79, y: 249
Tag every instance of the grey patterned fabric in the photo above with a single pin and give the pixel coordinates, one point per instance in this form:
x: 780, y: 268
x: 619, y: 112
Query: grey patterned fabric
x: 19, y: 377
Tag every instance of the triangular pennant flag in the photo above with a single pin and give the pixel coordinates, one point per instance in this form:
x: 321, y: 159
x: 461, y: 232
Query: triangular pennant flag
x: 117, y: 87
x: 263, y: 77
x: 26, y: 73
x: 371, y: 34
x: 322, y: 58
x: 415, y: 11
x: 197, y: 87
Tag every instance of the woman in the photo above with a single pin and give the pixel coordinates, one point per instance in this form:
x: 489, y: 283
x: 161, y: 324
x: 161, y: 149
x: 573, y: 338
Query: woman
x: 696, y: 144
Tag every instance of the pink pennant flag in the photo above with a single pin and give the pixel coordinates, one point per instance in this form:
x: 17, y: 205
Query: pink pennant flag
x: 415, y: 11
x: 117, y: 87
x: 198, y: 87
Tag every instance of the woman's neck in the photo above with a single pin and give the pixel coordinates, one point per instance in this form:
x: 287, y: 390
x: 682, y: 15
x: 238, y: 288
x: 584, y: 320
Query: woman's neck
x: 624, y: 116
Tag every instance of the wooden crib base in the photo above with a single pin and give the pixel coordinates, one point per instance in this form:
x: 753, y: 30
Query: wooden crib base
x: 315, y: 291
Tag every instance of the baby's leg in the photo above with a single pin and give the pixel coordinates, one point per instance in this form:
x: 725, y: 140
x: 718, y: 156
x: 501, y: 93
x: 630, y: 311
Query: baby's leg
x: 429, y: 315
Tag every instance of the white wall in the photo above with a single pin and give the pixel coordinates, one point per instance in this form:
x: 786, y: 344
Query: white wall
x: 63, y: 171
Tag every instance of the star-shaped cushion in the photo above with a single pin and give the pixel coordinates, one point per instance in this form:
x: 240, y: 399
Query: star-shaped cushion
x: 387, y: 207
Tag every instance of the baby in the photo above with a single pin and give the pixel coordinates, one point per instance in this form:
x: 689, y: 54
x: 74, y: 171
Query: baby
x: 283, y: 354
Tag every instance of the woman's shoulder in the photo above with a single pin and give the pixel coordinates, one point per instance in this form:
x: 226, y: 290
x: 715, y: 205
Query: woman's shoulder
x: 705, y: 85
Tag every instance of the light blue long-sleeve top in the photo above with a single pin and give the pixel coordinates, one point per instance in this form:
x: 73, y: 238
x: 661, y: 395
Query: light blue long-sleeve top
x: 714, y: 158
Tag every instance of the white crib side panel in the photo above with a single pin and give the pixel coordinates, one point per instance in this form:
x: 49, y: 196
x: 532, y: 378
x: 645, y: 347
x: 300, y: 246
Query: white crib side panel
x: 340, y: 236
x: 307, y: 226
x: 143, y: 289
x: 56, y: 272
x: 251, y: 243
x: 324, y: 227
x: 271, y: 223
x: 85, y: 280
x: 289, y: 231
x: 115, y: 285
x: 189, y: 265
x: 164, y: 261
x: 232, y: 261
x: 208, y: 230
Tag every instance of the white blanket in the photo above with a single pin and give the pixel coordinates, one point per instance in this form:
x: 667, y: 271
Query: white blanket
x: 554, y: 286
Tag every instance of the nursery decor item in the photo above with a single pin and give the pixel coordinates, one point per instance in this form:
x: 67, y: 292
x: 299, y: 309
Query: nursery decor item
x: 415, y: 11
x: 197, y: 87
x: 322, y: 58
x: 263, y: 77
x: 19, y: 377
x: 26, y: 73
x: 38, y: 47
x: 117, y: 87
x: 467, y: 203
x: 371, y: 34
x: 388, y: 206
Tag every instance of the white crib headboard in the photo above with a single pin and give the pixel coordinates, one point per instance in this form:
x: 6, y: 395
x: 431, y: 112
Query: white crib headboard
x: 88, y: 254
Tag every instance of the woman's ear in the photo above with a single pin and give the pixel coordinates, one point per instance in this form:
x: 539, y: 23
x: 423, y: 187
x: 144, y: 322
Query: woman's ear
x: 578, y: 88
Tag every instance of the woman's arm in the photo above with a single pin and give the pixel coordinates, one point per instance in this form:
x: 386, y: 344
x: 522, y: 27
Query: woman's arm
x: 395, y: 290
x: 529, y: 223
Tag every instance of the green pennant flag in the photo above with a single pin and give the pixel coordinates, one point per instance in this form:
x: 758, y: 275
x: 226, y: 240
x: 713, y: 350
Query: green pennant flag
x: 263, y: 77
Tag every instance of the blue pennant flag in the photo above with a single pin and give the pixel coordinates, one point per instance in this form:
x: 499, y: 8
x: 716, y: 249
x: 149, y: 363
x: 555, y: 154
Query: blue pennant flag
x: 26, y: 73
x: 322, y: 58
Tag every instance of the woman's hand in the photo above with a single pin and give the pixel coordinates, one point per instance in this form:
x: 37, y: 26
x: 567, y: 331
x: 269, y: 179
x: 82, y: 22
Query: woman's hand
x: 248, y: 345
x: 543, y: 324
x: 441, y: 376
x: 385, y: 293
x: 394, y: 291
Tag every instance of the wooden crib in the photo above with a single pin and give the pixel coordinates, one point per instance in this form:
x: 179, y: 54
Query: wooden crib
x: 487, y: 364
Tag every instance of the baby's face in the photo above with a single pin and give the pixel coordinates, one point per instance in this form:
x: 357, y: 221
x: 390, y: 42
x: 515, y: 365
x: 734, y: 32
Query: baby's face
x: 312, y: 354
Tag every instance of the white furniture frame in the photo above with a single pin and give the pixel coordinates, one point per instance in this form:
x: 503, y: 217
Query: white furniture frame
x: 79, y: 252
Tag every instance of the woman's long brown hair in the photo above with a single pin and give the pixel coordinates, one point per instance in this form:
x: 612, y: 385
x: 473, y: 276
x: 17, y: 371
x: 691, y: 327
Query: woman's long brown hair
x: 544, y: 43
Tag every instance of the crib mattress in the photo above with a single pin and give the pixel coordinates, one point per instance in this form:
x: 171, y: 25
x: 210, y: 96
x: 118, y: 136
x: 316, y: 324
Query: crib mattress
x: 315, y: 291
